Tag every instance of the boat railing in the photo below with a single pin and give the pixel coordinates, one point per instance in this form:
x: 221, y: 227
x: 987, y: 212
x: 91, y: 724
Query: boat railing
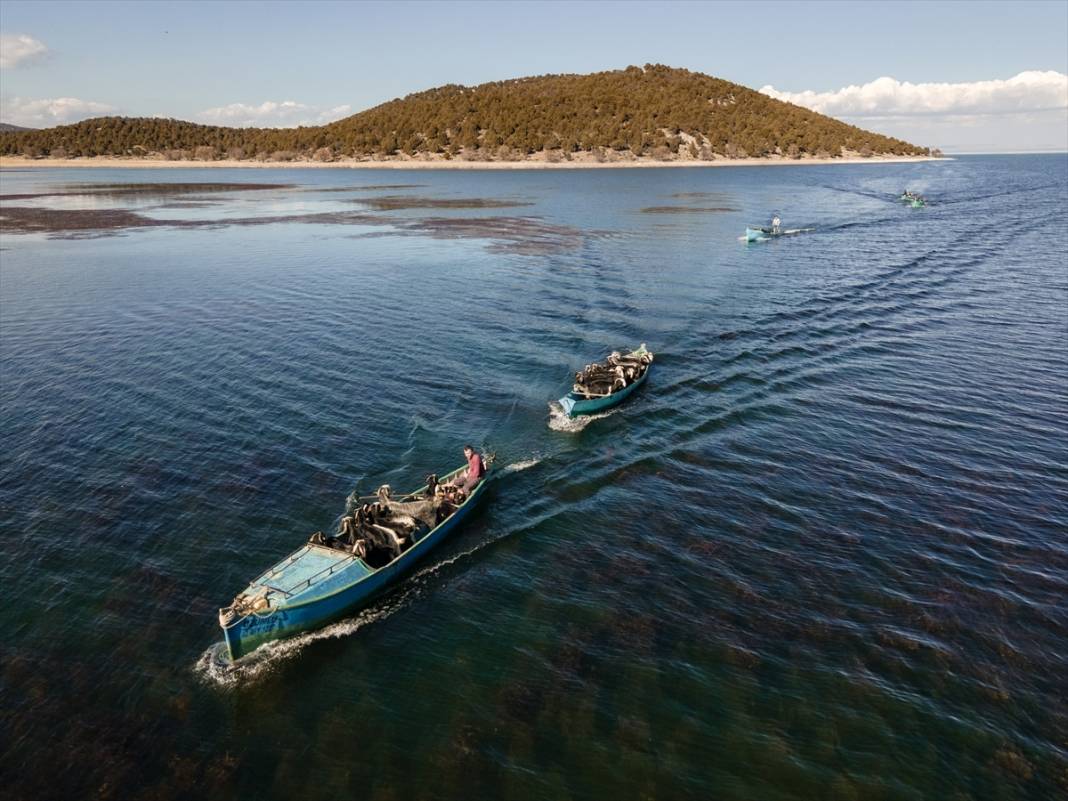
x: 348, y: 559
x: 593, y: 395
x: 415, y: 495
x: 316, y: 577
x: 330, y: 570
x: 264, y: 578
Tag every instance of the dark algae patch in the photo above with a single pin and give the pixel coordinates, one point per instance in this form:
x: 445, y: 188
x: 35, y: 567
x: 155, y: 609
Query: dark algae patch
x: 366, y: 188
x: 529, y: 236
x: 686, y: 209
x: 144, y: 190
x: 697, y: 195
x: 399, y: 203
x: 169, y: 188
x: 524, y: 235
x: 188, y: 204
x: 62, y: 223
x: 510, y: 234
x: 79, y: 223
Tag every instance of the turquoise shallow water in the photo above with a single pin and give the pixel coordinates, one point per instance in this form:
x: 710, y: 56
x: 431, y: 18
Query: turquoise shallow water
x: 823, y: 553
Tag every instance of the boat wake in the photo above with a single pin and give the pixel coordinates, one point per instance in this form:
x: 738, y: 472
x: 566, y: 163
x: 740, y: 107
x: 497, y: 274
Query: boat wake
x: 214, y: 666
x: 560, y: 421
x: 522, y: 464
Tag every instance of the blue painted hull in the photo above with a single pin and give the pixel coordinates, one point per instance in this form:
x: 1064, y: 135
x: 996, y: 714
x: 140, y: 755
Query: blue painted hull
x: 575, y: 405
x: 345, y: 588
x: 756, y: 235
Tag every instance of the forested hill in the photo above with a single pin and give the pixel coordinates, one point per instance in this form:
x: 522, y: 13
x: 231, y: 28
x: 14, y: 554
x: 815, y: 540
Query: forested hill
x: 654, y: 112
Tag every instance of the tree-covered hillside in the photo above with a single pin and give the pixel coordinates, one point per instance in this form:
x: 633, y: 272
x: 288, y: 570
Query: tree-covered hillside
x: 652, y: 112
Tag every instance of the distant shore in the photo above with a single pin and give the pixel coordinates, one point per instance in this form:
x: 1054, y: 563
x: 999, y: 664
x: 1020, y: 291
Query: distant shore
x: 20, y: 162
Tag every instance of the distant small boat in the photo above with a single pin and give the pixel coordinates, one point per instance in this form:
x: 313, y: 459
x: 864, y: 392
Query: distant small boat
x: 575, y: 403
x: 317, y: 584
x: 763, y: 234
x: 916, y: 201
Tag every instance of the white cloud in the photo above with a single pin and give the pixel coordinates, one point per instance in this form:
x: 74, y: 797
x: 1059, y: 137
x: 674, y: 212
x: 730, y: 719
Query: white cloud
x: 19, y: 48
x: 47, y: 112
x: 1003, y: 133
x: 271, y: 114
x: 886, y: 97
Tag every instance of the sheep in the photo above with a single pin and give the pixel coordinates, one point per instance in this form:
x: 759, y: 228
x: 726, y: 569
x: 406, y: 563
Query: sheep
x: 422, y: 511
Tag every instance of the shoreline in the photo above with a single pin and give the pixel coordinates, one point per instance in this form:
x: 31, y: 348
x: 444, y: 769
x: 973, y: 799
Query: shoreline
x: 111, y: 162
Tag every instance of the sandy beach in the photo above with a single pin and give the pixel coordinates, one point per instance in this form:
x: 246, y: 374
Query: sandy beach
x: 587, y: 162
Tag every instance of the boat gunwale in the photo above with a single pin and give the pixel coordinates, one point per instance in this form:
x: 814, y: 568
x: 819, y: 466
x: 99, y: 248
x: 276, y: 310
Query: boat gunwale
x: 628, y: 388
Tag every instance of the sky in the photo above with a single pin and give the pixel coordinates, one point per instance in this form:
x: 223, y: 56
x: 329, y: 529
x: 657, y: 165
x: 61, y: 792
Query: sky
x: 961, y: 76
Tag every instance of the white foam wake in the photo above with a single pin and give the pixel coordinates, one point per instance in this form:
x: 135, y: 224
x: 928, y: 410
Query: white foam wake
x: 214, y: 665
x: 522, y: 464
x: 560, y: 421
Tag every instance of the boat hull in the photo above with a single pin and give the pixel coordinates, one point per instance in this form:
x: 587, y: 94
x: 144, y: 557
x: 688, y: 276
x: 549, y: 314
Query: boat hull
x: 764, y: 235
x: 251, y: 631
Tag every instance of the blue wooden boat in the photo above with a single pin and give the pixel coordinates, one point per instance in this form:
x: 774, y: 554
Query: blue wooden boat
x: 316, y: 585
x: 575, y: 404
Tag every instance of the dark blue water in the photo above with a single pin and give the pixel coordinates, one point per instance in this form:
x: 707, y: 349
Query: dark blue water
x: 823, y: 553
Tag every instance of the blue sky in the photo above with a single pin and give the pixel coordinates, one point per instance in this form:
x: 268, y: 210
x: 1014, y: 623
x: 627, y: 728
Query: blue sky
x: 283, y: 63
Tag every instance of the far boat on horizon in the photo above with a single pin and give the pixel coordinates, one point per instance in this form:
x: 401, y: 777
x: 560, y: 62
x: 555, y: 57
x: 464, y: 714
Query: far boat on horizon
x: 913, y: 199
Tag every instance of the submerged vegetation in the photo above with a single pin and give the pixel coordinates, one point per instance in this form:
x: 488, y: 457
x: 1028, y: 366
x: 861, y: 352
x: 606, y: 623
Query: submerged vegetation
x: 527, y: 235
x: 648, y: 113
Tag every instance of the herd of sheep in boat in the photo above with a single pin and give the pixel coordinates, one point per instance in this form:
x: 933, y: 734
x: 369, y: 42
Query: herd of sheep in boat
x: 616, y: 372
x: 379, y: 532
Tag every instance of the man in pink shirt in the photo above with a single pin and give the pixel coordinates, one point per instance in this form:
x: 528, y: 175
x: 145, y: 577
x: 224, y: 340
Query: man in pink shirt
x: 476, y: 469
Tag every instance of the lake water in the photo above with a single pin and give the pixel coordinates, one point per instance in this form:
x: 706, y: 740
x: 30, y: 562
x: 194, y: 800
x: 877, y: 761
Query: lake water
x: 822, y: 553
